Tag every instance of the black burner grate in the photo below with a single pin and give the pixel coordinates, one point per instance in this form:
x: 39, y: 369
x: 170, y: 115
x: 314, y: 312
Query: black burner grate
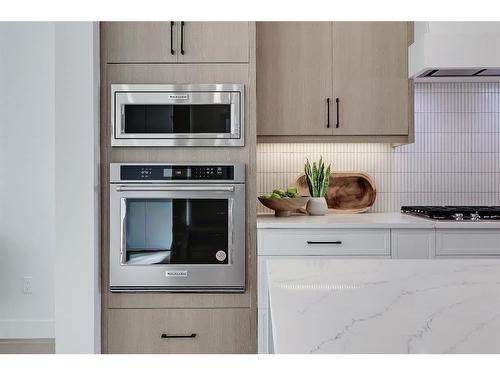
x: 454, y: 212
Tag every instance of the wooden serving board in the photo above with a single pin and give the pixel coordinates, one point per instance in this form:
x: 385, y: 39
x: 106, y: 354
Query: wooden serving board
x: 348, y: 192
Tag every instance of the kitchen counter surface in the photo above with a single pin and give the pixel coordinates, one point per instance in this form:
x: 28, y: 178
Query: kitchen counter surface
x: 324, y: 305
x: 366, y: 220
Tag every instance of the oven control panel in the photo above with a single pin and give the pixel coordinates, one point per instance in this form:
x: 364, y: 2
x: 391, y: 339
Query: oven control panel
x: 174, y: 172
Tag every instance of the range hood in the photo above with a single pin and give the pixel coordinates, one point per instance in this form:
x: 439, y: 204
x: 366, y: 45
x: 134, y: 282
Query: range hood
x: 455, y: 51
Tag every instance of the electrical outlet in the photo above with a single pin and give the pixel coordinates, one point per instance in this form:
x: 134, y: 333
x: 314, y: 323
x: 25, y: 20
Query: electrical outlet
x: 27, y: 284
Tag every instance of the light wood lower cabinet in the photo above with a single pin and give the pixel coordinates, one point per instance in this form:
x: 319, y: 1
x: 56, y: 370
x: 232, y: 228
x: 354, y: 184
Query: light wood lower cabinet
x: 170, y: 330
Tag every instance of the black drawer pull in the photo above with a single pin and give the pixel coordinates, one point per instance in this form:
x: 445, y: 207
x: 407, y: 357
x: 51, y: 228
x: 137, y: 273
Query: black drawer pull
x: 324, y: 242
x: 166, y: 336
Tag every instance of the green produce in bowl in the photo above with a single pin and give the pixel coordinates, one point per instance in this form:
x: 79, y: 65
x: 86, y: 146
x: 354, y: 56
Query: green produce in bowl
x: 280, y: 192
x: 291, y: 192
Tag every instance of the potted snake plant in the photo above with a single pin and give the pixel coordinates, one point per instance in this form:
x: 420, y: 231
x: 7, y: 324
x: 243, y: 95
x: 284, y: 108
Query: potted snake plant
x: 317, y: 178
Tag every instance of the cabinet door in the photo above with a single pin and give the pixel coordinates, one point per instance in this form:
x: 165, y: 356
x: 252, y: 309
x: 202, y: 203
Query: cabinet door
x: 135, y: 42
x: 213, y: 42
x: 370, y: 78
x: 294, y: 78
x: 413, y: 243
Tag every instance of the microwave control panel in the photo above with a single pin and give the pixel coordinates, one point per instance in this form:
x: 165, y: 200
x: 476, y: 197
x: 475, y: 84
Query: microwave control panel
x: 176, y: 173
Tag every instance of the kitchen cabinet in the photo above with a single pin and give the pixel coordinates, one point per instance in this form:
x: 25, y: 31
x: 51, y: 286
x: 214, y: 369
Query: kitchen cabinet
x: 334, y: 82
x: 384, y: 236
x: 331, y: 243
x: 214, y: 42
x: 370, y: 78
x: 176, y: 42
x: 294, y: 78
x: 413, y: 243
x: 192, y: 331
x: 467, y: 242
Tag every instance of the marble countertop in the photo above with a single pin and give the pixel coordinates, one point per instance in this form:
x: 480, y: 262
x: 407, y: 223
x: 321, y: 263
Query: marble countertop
x: 365, y: 220
x: 384, y: 306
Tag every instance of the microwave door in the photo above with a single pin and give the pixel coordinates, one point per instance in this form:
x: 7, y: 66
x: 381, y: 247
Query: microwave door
x: 177, y: 115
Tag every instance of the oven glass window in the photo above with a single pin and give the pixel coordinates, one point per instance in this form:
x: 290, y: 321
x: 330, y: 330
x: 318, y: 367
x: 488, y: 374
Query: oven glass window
x: 176, y: 231
x: 177, y: 118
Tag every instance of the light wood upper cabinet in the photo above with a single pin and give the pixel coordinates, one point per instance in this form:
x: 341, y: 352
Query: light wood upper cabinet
x: 214, y: 42
x: 294, y: 77
x: 366, y: 69
x: 136, y: 42
x: 370, y: 78
x: 173, y: 42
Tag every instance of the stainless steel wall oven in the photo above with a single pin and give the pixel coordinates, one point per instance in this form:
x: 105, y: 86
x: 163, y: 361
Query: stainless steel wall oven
x: 177, y: 227
x: 177, y: 115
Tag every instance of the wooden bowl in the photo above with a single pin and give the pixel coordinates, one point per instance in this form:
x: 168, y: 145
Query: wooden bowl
x: 348, y: 192
x: 284, y: 206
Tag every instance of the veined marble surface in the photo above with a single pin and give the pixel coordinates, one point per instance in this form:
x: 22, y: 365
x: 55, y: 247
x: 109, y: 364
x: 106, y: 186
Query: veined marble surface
x: 392, y: 220
x: 323, y: 305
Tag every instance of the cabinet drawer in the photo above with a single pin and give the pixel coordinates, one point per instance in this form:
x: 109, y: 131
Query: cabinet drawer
x: 215, y: 330
x: 331, y: 242
x: 473, y: 242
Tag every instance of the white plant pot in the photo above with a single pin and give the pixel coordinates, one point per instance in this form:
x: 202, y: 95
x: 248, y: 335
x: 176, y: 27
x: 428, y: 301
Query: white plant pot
x: 317, y: 206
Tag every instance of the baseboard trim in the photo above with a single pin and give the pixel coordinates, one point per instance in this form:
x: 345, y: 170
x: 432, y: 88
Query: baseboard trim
x: 27, y: 329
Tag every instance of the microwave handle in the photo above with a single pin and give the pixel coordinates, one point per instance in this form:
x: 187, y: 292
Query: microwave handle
x: 175, y: 188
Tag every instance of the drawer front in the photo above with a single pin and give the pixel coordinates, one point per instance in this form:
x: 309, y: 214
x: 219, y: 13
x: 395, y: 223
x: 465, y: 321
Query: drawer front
x: 330, y: 242
x: 473, y: 242
x: 214, y: 330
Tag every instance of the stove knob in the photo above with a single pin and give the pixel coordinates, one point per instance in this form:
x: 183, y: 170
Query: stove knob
x: 475, y: 216
x: 458, y: 216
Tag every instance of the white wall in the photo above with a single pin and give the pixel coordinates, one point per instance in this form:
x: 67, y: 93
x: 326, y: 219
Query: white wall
x: 49, y: 184
x: 27, y: 199
x: 77, y: 188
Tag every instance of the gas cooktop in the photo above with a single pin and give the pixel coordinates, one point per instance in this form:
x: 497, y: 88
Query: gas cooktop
x: 469, y: 213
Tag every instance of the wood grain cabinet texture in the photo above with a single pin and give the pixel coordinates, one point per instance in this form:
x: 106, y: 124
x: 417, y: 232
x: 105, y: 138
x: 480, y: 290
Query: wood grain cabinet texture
x: 177, y: 42
x: 191, y: 331
x: 361, y: 68
x: 214, y: 52
x: 294, y: 77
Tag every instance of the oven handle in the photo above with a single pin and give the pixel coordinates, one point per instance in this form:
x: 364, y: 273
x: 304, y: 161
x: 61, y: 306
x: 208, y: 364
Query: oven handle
x: 175, y: 188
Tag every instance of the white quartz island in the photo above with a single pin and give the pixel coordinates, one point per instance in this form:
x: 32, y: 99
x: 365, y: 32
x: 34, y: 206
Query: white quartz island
x: 325, y: 305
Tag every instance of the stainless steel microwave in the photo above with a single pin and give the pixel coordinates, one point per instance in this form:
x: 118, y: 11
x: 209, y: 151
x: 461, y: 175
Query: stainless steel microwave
x: 177, y: 115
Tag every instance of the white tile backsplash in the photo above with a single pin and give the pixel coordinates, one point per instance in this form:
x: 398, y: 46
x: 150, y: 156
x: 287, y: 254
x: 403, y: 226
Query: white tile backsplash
x: 455, y: 158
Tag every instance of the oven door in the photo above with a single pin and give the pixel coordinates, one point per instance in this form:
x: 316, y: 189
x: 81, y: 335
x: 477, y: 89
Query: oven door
x: 177, y: 115
x: 177, y: 238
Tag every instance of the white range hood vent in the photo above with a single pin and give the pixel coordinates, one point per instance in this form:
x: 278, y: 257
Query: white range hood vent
x: 455, y: 51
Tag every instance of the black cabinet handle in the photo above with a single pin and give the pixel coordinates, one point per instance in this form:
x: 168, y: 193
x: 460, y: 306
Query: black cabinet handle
x: 166, y: 336
x: 337, y: 101
x: 182, y: 37
x: 172, y: 24
x: 324, y: 242
x: 327, y: 112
